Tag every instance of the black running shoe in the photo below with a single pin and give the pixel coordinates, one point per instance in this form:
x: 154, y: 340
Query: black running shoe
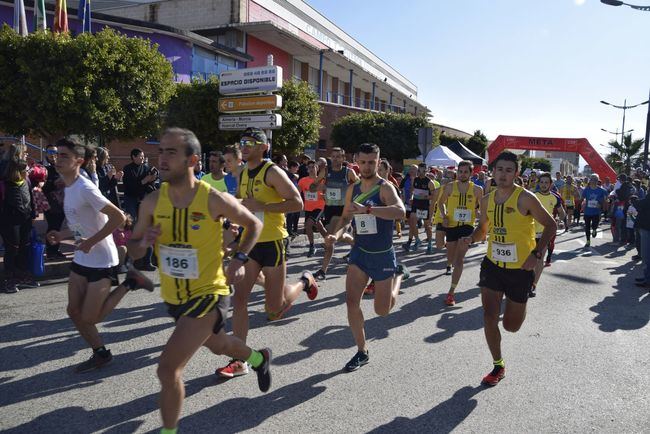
x: 359, y: 359
x: 448, y: 272
x: 264, y: 371
x: 407, y: 246
x: 141, y: 281
x: 320, y: 275
x: 531, y: 292
x: 594, y: 233
x: 95, y: 362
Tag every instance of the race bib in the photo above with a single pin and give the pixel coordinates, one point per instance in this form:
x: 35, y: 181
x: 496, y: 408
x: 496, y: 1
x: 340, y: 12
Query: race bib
x: 366, y: 224
x: 569, y: 202
x: 260, y: 216
x: 311, y: 196
x: 462, y: 215
x: 593, y: 204
x: 422, y: 214
x: 179, y: 263
x: 333, y: 193
x: 504, y: 252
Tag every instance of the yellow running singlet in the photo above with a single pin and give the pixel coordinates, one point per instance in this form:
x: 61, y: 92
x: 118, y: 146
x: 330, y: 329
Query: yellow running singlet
x: 549, y: 201
x: 254, y: 185
x: 511, y: 235
x: 217, y: 184
x: 189, y: 250
x: 568, y: 194
x: 461, y: 208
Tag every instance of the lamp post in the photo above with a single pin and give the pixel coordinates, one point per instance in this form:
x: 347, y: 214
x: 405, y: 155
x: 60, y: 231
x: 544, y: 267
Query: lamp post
x: 615, y: 133
x: 620, y: 3
x: 624, y: 107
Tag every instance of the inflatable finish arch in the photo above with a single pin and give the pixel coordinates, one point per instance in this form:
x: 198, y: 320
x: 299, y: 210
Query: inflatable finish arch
x: 594, y: 160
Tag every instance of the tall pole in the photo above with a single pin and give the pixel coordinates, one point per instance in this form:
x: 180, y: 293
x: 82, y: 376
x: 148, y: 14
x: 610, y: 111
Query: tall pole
x: 623, y: 130
x: 647, y: 137
x: 320, y: 77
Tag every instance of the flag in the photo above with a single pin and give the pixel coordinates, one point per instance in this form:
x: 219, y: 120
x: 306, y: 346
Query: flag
x: 60, y: 17
x: 39, y: 15
x: 20, y: 20
x: 83, y: 13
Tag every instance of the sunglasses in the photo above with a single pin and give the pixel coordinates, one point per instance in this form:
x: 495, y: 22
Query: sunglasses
x: 51, y: 152
x: 249, y: 143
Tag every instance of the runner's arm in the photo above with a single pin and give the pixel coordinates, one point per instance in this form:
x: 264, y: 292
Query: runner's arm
x: 285, y: 188
x: 115, y: 219
x: 352, y: 176
x: 432, y: 199
x: 143, y: 226
x: 346, y: 216
x: 394, y: 208
x: 442, y: 201
x: 531, y: 205
x: 481, y: 229
x: 223, y: 204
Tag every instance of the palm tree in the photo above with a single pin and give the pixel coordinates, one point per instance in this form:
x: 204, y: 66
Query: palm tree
x: 628, y: 150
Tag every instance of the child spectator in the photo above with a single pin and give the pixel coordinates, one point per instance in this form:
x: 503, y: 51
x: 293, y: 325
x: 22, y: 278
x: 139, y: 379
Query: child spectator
x: 37, y: 177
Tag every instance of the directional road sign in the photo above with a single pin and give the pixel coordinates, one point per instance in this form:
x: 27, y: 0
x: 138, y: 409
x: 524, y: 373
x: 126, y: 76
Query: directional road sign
x: 250, y: 103
x: 241, y: 122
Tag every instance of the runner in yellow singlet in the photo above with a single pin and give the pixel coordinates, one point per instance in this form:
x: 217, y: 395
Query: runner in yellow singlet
x: 458, y: 204
x: 571, y: 198
x: 183, y: 222
x: 508, y: 214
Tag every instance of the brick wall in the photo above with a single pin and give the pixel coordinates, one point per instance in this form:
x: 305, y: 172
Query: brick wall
x: 183, y: 14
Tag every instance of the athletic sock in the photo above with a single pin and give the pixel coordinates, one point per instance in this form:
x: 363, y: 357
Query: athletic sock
x: 168, y: 430
x: 499, y: 363
x: 452, y: 287
x: 255, y: 359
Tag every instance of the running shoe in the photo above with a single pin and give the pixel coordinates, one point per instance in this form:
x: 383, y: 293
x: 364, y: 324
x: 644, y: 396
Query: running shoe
x: 407, y: 246
x: 311, y: 287
x: 141, y: 281
x: 264, y: 371
x: 594, y: 233
x: 588, y: 243
x: 448, y: 272
x: 312, y: 251
x: 274, y: 316
x: 531, y: 291
x: 234, y: 368
x: 416, y: 245
x: 95, y: 362
x: 493, y: 378
x: 359, y: 359
x: 27, y: 282
x: 9, y: 287
x: 450, y: 301
x: 320, y: 275
x: 401, y: 269
x: 429, y: 249
x: 370, y: 288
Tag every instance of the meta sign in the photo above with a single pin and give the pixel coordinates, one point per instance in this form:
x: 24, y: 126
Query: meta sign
x: 241, y: 122
x: 250, y: 80
x: 255, y: 103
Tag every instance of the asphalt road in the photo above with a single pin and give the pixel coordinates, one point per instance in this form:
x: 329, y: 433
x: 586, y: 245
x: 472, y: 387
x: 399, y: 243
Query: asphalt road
x: 578, y: 364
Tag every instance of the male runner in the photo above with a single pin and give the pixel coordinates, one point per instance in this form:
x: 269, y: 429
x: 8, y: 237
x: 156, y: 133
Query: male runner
x: 267, y: 192
x: 183, y: 222
x: 337, y: 179
x: 91, y: 219
x: 421, y: 208
x: 552, y: 204
x: 569, y: 194
x: 216, y: 177
x: 233, y: 163
x: 406, y: 191
x: 594, y: 202
x: 458, y: 203
x: 508, y: 214
x: 374, y: 205
x: 314, y: 204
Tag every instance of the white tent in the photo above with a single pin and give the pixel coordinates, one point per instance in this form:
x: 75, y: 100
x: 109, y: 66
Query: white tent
x: 442, y: 156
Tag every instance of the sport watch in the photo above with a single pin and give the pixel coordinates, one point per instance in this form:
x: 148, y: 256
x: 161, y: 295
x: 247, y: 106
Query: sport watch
x: 241, y: 256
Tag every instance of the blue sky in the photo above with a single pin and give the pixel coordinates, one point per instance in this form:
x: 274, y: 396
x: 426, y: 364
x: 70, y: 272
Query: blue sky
x: 517, y: 67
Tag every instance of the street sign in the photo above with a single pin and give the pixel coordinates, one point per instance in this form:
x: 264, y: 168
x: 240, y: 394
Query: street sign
x: 241, y: 122
x: 250, y: 80
x: 250, y: 103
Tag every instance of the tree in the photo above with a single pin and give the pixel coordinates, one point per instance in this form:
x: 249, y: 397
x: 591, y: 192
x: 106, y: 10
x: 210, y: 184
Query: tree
x: 535, y: 163
x: 395, y: 134
x: 195, y: 107
x: 300, y: 118
x: 614, y: 160
x: 446, y: 140
x: 477, y: 143
x: 627, y: 150
x: 105, y: 84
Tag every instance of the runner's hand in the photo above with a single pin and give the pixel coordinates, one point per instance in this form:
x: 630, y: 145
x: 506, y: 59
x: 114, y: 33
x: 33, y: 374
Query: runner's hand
x: 357, y: 208
x: 150, y: 236
x: 330, y: 240
x: 445, y: 221
x: 530, y: 263
x: 84, y: 245
x: 53, y: 237
x: 234, y: 272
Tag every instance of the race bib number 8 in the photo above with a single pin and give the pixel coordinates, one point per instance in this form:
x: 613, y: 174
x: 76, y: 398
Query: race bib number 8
x: 593, y: 204
x: 366, y: 224
x: 422, y: 214
x: 504, y: 252
x: 462, y: 215
x: 333, y: 193
x: 311, y: 196
x: 179, y: 263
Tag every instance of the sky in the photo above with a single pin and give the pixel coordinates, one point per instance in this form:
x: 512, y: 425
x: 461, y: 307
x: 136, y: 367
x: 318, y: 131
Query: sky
x: 512, y: 67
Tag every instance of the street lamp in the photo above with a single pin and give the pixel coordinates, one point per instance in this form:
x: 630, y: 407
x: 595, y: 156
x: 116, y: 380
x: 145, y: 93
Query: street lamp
x: 620, y: 3
x: 624, y: 107
x: 615, y: 133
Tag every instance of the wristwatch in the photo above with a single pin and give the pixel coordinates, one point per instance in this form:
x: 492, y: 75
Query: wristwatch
x: 536, y: 253
x: 368, y: 209
x: 241, y: 256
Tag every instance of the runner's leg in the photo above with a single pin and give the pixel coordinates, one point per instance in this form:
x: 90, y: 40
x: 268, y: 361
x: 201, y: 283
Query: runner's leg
x: 92, y: 308
x: 243, y: 290
x: 513, y: 315
x: 386, y: 294
x: 491, y: 301
x: 355, y: 282
x: 460, y: 250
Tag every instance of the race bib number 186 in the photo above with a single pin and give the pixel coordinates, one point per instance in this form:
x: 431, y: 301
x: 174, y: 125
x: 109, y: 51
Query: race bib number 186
x: 179, y: 263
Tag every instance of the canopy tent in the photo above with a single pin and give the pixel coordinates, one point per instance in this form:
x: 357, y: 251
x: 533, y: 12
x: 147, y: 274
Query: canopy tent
x: 442, y: 156
x: 462, y: 151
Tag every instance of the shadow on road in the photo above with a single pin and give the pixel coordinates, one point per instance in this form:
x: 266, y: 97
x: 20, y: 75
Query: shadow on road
x: 443, y: 418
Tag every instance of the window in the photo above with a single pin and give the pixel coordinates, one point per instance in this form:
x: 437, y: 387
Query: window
x: 297, y: 69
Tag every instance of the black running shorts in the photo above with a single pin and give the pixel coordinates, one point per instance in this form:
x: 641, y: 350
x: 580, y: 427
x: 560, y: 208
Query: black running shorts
x: 270, y: 253
x: 96, y: 274
x: 458, y: 232
x: 200, y: 307
x: 513, y: 282
x: 331, y: 211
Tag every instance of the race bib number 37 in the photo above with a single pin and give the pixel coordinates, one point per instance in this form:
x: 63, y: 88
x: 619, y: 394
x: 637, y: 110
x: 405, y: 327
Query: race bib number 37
x: 462, y: 215
x: 366, y: 224
x: 504, y: 252
x: 179, y: 263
